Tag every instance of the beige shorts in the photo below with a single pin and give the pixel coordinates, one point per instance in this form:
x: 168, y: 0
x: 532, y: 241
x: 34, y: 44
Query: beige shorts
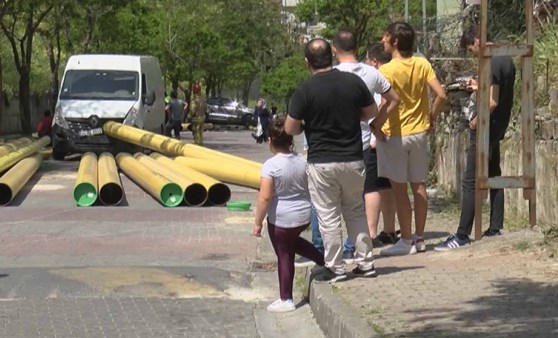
x: 404, y: 158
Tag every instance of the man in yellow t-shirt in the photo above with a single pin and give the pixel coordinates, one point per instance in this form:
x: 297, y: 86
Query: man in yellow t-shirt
x: 403, y: 156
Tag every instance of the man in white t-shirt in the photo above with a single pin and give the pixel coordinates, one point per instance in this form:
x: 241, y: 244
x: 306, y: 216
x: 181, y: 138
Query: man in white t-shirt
x: 344, y: 50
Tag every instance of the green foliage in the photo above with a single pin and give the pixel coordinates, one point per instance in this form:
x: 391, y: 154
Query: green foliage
x: 367, y: 18
x: 546, y: 52
x: 499, y: 12
x: 280, y: 83
x: 223, y: 43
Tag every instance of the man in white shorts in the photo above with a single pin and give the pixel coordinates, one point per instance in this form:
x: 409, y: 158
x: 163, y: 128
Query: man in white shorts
x: 403, y: 157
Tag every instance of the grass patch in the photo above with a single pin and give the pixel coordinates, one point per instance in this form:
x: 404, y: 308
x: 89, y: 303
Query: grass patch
x: 516, y: 223
x: 370, y: 313
x: 523, y: 245
x: 378, y: 329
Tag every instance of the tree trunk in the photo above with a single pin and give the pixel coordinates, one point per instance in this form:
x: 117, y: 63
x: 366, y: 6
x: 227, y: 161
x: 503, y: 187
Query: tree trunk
x: 174, y: 83
x: 25, y: 101
x: 246, y: 92
x: 54, y: 62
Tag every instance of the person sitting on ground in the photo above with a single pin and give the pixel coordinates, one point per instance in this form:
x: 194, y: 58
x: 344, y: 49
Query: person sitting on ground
x: 44, y: 127
x: 284, y: 197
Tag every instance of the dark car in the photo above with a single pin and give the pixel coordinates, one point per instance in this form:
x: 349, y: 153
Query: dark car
x: 222, y: 110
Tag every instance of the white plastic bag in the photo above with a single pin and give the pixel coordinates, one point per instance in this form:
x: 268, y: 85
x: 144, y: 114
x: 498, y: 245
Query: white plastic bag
x: 259, y: 129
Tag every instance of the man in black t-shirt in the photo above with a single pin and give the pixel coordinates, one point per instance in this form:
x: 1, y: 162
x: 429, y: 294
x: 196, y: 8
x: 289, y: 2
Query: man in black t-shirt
x: 329, y: 107
x: 501, y: 101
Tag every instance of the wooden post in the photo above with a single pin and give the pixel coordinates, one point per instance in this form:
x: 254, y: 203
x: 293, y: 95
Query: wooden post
x: 483, y: 121
x: 527, y: 181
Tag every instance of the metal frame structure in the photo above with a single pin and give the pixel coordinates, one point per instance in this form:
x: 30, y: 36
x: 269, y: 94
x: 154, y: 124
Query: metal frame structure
x: 527, y: 180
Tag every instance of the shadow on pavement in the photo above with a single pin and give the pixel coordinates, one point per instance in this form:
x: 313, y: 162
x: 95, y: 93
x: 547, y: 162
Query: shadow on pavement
x: 519, y: 308
x: 22, y: 195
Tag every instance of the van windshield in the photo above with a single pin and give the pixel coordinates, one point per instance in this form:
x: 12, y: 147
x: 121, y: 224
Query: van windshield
x: 99, y: 85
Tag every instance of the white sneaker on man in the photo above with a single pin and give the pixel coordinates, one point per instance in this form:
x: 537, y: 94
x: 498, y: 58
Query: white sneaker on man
x: 401, y: 248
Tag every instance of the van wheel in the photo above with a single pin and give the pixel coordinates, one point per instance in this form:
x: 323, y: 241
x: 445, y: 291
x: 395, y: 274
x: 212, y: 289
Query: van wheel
x: 58, y: 156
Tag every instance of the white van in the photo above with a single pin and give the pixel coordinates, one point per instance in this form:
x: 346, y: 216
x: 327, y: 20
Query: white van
x: 98, y: 88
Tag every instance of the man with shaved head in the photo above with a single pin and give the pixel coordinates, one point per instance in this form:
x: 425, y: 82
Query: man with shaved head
x: 328, y: 107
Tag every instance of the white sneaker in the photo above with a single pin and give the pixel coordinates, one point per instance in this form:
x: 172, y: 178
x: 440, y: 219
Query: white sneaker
x: 419, y: 244
x: 281, y: 306
x: 399, y: 249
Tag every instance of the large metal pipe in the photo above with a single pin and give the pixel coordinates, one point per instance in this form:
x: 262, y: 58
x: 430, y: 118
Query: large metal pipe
x: 110, y: 187
x: 165, y: 191
x: 13, y: 157
x: 14, y: 179
x: 85, y: 188
x: 7, y: 148
x: 218, y: 193
x: 170, y: 146
x: 194, y: 193
x: 246, y: 176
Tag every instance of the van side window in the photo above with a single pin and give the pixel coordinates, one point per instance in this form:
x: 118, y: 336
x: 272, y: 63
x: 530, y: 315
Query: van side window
x: 143, y: 84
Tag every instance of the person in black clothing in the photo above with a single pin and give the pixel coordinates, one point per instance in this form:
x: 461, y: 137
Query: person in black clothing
x: 328, y: 107
x: 263, y: 115
x: 501, y: 101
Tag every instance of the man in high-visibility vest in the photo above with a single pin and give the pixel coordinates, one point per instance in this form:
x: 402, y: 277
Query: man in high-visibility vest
x: 197, y: 113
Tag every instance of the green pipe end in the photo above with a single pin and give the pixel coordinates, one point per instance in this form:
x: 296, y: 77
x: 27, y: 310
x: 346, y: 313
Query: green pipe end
x: 85, y: 194
x: 171, y: 195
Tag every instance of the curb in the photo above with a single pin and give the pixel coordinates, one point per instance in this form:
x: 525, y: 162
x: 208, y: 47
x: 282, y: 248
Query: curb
x: 334, y: 316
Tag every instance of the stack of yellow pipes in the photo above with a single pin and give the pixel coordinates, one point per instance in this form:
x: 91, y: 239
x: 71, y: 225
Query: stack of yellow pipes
x: 21, y: 161
x: 190, y: 161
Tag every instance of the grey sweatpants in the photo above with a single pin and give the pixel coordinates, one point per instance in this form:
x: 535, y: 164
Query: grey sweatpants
x: 336, y: 190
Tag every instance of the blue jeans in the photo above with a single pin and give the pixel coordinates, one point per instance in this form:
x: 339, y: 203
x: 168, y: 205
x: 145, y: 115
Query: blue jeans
x: 317, y: 237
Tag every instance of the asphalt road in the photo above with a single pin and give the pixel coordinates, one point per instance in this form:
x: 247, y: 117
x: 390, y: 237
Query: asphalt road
x: 137, y: 269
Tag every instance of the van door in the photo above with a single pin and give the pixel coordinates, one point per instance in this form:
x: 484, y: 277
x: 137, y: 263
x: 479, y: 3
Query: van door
x: 152, y: 83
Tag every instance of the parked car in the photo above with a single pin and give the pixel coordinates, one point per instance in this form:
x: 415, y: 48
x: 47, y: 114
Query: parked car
x: 222, y: 110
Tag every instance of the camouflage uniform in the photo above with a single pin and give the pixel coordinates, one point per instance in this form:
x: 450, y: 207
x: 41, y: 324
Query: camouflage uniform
x: 197, y: 112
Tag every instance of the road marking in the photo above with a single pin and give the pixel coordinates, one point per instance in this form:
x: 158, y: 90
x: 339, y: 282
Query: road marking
x: 47, y: 187
x: 144, y: 282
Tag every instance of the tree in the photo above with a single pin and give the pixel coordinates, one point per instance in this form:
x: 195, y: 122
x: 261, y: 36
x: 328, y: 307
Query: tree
x: 368, y: 18
x: 280, y: 83
x: 20, y: 23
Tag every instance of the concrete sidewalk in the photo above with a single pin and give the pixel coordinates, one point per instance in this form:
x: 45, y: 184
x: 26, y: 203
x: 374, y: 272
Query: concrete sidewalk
x: 498, y: 287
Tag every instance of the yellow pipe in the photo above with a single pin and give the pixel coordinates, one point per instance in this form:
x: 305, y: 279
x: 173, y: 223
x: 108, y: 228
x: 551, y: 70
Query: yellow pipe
x: 165, y: 191
x: 218, y: 193
x: 46, y: 152
x: 15, y: 178
x: 7, y: 148
x: 168, y: 145
x: 194, y: 193
x: 85, y: 188
x: 23, y: 152
x: 246, y: 176
x: 110, y: 188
